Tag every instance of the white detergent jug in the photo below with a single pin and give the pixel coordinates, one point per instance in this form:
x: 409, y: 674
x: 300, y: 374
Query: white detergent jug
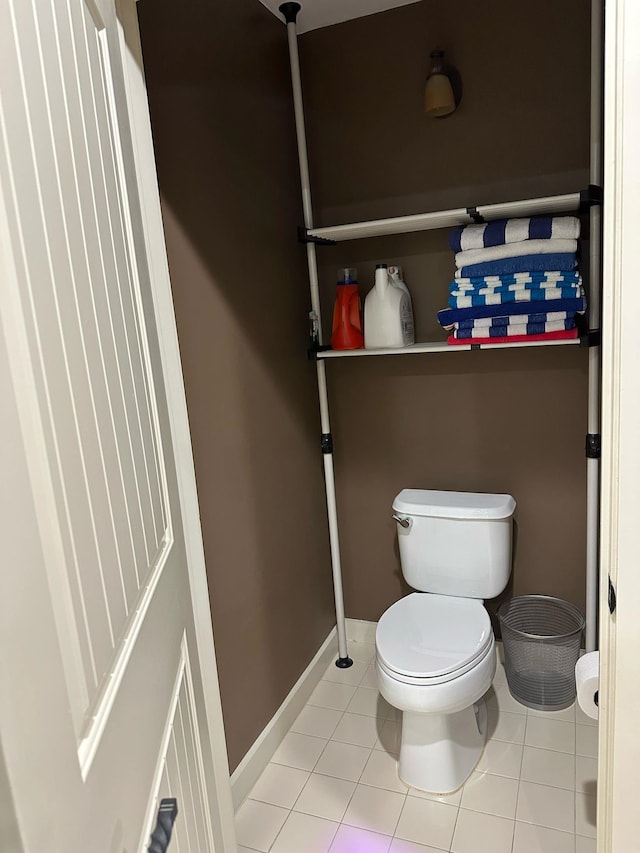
x: 388, y: 315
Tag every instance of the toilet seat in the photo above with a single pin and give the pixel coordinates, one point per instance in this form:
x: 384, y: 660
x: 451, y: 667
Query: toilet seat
x: 432, y: 639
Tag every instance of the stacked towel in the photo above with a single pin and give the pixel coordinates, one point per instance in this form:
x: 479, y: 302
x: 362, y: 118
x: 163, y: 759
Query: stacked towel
x: 501, y: 268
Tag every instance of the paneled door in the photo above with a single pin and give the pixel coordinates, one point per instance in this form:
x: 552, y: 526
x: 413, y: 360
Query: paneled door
x: 108, y: 688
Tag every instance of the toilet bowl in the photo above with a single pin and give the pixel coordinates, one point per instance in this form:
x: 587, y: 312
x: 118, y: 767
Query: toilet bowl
x: 435, y: 649
x: 435, y: 659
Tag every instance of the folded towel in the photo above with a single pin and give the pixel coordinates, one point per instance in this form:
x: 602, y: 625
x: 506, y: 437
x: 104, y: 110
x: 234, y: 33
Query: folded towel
x: 521, y: 281
x: 539, y: 294
x: 510, y: 330
x: 514, y: 231
x: 515, y: 250
x: 524, y: 263
x: 454, y: 290
x: 553, y: 277
x: 448, y: 316
x: 514, y: 320
x: 570, y: 334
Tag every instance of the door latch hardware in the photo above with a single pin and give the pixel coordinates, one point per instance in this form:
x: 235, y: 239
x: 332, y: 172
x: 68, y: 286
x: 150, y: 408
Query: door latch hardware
x: 161, y: 835
x: 612, y: 596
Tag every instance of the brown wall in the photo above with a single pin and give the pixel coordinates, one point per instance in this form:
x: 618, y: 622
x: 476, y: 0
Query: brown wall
x: 225, y: 143
x: 485, y: 421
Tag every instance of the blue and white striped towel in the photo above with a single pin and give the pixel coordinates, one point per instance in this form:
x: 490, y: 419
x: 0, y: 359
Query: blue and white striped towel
x: 514, y: 231
x: 554, y: 278
x: 515, y: 329
x: 448, y: 316
x: 526, y: 263
x: 511, y: 288
x: 537, y: 295
x: 515, y: 250
x: 514, y: 320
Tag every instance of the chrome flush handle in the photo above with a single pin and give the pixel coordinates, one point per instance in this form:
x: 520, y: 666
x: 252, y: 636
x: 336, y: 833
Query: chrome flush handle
x: 403, y: 522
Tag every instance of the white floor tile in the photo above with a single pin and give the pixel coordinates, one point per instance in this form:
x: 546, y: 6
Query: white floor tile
x: 449, y: 799
x: 305, y: 832
x: 382, y: 772
x: 499, y: 697
x: 330, y: 694
x: 585, y: 845
x: 482, y: 833
x: 567, y: 715
x: 389, y: 737
x: 399, y: 845
x: 374, y: 809
x: 351, y: 839
x: 427, y: 822
x: 504, y: 726
x: 587, y: 741
x: 351, y: 675
x: 325, y: 796
x: 370, y: 678
x: 279, y: 785
x: 586, y: 775
x: 318, y: 722
x: 586, y: 810
x: 364, y: 652
x: 529, y: 838
x: 546, y: 806
x: 501, y: 676
x: 368, y: 701
x: 245, y: 849
x: 496, y: 795
x: 501, y: 758
x: 547, y: 767
x: 343, y: 760
x: 550, y: 734
x: 257, y: 824
x: 358, y: 730
x: 301, y: 751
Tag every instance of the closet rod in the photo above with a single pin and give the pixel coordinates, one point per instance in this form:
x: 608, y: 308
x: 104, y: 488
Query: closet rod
x: 595, y: 287
x: 290, y: 11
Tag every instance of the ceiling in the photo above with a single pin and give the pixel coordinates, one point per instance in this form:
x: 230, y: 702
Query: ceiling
x: 323, y: 13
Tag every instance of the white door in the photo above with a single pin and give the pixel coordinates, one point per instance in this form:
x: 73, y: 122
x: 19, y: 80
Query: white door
x: 108, y: 689
x: 619, y: 751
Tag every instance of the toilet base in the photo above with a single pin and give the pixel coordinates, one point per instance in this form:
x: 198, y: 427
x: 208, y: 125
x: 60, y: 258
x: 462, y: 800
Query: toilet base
x: 438, y: 752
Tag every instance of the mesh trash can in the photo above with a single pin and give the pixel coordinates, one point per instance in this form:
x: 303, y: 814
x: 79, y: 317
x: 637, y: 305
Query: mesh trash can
x: 541, y: 637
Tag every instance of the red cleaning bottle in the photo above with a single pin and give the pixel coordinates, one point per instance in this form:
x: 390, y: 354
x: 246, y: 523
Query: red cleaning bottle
x: 346, y: 332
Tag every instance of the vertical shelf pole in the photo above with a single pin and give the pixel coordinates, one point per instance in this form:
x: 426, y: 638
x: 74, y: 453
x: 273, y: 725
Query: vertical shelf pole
x: 290, y: 12
x: 595, y: 287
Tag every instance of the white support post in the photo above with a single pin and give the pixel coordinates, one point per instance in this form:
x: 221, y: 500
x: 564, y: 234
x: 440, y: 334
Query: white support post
x: 289, y: 12
x: 595, y: 285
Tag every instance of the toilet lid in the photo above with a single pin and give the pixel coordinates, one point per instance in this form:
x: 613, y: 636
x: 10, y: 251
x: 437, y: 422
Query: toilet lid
x: 427, y: 636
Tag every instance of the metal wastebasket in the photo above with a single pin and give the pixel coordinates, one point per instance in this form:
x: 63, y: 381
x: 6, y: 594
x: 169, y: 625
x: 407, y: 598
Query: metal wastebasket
x: 541, y: 637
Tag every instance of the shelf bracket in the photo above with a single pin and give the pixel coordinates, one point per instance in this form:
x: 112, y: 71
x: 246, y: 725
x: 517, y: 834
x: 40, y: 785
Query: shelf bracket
x: 326, y: 443
x: 476, y: 217
x: 592, y: 445
x: 592, y: 338
x: 590, y: 197
x: 305, y: 237
x: 312, y: 352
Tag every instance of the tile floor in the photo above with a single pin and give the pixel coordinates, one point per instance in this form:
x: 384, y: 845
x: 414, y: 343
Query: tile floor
x: 332, y: 786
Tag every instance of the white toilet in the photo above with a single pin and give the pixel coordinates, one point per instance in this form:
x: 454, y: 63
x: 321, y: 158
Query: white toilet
x: 435, y: 650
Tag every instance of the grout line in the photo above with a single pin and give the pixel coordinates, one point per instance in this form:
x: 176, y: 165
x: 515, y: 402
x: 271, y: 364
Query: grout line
x: 455, y: 825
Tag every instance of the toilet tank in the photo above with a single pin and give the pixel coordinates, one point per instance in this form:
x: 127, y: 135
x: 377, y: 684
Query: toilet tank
x: 455, y: 543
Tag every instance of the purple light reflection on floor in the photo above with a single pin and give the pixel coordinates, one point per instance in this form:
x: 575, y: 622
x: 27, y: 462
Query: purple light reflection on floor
x: 350, y: 839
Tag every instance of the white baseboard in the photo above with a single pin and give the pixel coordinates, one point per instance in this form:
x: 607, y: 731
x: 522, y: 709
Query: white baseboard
x: 361, y: 631
x: 248, y: 771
